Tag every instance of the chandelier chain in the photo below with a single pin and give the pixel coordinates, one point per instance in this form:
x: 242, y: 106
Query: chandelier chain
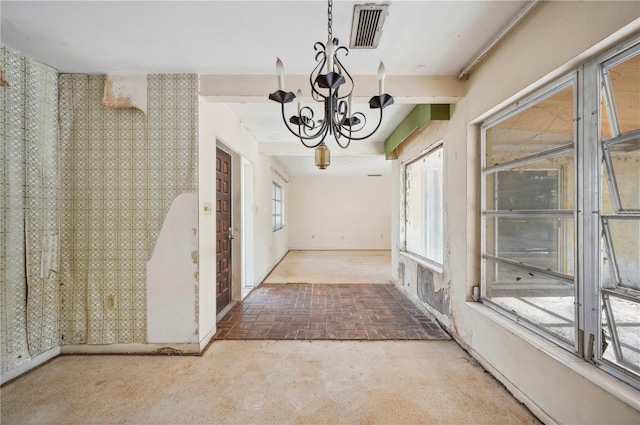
x: 330, y: 19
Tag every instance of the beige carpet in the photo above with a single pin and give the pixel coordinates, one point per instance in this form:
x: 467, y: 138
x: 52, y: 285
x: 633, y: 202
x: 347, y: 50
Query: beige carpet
x: 267, y: 382
x: 333, y: 267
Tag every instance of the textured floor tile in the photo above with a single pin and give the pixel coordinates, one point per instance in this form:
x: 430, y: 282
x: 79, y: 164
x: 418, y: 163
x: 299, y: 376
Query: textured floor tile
x: 328, y: 312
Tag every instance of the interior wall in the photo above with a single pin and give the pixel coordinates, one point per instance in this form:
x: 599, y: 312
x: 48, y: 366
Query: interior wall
x: 29, y: 207
x: 218, y: 125
x: 419, y: 280
x: 556, y: 385
x: 120, y: 170
x: 270, y: 246
x: 341, y: 212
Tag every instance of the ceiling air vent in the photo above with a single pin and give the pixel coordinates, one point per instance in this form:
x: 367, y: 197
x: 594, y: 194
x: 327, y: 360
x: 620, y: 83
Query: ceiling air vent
x: 367, y: 25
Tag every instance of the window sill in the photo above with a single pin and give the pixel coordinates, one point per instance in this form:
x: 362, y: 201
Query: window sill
x: 277, y: 230
x: 423, y: 261
x: 593, y: 374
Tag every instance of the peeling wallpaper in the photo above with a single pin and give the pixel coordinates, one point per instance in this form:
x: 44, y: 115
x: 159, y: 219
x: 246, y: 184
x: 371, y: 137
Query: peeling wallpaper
x: 29, y: 230
x: 119, y: 172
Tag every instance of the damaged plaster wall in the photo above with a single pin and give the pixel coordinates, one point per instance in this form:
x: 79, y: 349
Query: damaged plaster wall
x: 559, y: 387
x: 172, y: 272
x: 429, y: 286
x: 119, y: 173
x: 29, y: 208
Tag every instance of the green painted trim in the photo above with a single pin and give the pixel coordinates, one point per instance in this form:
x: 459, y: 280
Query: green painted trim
x: 416, y: 120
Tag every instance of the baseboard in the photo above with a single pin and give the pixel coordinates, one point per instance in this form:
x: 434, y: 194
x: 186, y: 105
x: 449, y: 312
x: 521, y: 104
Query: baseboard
x: 266, y: 275
x: 30, y: 365
x: 191, y: 348
x: 204, y: 342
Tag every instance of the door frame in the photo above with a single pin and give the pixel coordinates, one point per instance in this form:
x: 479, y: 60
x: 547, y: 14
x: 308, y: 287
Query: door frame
x: 237, y: 272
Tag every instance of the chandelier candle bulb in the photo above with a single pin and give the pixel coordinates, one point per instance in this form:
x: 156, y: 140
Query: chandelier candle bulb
x: 280, y: 73
x: 381, y: 75
x: 329, y: 55
x: 299, y: 96
x: 350, y: 104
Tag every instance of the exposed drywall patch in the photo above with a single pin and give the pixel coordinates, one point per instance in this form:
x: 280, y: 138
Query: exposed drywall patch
x: 194, y: 256
x: 194, y: 230
x: 125, y: 91
x: 401, y: 274
x: 438, y: 299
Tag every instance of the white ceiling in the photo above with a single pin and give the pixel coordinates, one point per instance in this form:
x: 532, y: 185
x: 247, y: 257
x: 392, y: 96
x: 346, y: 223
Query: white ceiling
x: 244, y: 37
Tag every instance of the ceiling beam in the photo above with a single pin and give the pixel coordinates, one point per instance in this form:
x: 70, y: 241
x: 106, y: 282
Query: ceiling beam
x: 406, y: 89
x: 359, y: 148
x: 416, y: 120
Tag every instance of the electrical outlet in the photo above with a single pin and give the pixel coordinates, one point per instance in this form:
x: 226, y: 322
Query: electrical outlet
x: 111, y: 302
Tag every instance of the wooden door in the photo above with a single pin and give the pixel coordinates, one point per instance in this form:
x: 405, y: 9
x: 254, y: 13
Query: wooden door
x: 223, y: 223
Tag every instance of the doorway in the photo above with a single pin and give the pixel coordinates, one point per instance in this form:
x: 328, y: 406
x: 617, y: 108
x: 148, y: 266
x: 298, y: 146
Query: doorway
x: 223, y: 229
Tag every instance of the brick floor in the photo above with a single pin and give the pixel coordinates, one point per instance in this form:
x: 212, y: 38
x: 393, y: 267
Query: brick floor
x: 329, y: 312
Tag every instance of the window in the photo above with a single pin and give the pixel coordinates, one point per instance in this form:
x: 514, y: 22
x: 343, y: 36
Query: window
x: 620, y: 211
x: 424, y: 206
x: 278, y: 222
x: 560, y: 225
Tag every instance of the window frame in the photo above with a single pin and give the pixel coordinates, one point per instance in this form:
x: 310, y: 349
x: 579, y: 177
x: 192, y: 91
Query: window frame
x: 540, y: 95
x: 592, y: 166
x: 432, y: 263
x: 275, y: 189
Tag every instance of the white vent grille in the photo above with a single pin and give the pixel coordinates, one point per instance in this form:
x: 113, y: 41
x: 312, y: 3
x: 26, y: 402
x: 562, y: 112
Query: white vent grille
x: 367, y: 25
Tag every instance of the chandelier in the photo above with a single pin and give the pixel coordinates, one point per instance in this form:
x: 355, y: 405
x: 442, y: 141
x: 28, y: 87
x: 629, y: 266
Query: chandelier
x: 334, y: 89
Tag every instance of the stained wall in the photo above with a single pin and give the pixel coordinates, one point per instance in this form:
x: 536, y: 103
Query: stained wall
x: 119, y: 172
x: 556, y: 385
x: 29, y: 207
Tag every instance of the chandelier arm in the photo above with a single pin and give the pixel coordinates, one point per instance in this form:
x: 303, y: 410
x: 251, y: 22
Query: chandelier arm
x: 368, y: 135
x: 304, y: 137
x: 315, y: 94
x: 346, y: 145
x: 323, y: 131
x: 358, y: 121
x: 351, y: 84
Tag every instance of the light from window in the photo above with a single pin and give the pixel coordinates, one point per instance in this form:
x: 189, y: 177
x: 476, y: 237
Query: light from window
x: 424, y: 179
x: 528, y: 203
x: 278, y: 222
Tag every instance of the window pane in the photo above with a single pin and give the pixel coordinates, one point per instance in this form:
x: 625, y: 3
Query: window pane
x: 605, y: 123
x: 626, y: 320
x: 625, y: 83
x: 625, y: 158
x: 542, y: 185
x: 424, y: 206
x: 625, y: 235
x: 545, y: 125
x: 433, y: 209
x: 544, y: 302
x: 277, y: 207
x: 547, y: 243
x: 414, y: 209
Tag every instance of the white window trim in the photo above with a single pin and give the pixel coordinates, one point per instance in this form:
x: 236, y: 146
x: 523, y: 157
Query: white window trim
x: 273, y: 213
x: 429, y: 263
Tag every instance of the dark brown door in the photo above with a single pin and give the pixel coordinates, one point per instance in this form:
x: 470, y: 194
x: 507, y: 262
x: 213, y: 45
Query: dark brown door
x: 223, y: 222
